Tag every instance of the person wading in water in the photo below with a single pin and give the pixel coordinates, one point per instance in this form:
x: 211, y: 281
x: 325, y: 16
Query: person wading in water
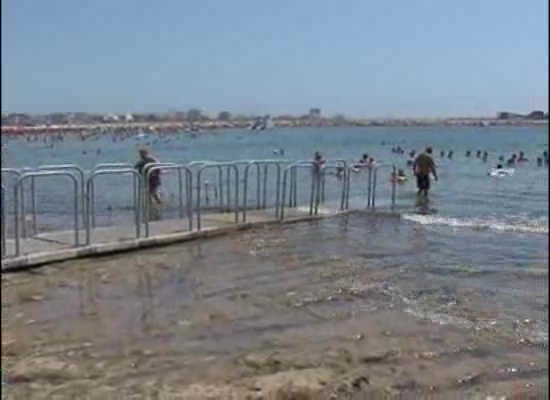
x: 423, y: 166
x: 153, y: 185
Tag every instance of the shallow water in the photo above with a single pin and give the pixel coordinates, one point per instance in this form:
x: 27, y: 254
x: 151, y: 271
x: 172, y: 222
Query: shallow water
x: 465, y: 196
x: 474, y: 262
x: 383, y: 284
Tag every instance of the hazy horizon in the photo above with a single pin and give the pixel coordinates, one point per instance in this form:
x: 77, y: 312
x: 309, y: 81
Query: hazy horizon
x: 214, y: 114
x: 426, y: 59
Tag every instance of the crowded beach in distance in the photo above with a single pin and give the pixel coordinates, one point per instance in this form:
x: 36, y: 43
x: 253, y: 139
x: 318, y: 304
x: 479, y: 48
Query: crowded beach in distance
x: 196, y: 121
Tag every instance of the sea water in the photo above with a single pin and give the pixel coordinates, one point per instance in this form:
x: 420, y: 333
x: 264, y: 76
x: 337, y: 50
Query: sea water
x: 475, y: 257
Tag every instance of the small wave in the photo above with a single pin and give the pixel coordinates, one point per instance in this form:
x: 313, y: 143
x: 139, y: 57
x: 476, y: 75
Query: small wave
x: 321, y: 210
x: 523, y: 225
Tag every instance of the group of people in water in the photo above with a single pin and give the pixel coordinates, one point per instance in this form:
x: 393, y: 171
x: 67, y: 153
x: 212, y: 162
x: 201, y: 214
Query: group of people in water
x: 423, y: 165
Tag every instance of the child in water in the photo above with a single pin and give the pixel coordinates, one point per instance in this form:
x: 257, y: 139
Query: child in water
x: 398, y: 176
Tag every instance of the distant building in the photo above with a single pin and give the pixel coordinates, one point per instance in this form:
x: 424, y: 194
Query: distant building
x: 538, y: 115
x: 315, y: 113
x: 533, y: 115
x: 18, y: 119
x: 224, y: 116
x: 129, y: 118
x: 194, y: 114
x: 110, y: 118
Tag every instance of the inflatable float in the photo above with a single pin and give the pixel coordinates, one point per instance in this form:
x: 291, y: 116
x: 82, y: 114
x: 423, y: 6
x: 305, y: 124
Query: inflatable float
x: 498, y: 172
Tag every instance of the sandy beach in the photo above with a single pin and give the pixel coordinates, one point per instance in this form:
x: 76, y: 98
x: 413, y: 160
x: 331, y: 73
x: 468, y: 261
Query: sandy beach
x: 221, y: 319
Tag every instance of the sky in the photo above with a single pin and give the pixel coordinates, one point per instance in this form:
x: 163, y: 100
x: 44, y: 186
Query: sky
x: 363, y: 58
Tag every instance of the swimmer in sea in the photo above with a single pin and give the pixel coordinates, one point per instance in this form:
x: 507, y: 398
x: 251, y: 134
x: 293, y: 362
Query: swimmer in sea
x: 318, y: 162
x: 318, y: 158
x: 441, y: 153
x: 478, y: 153
x: 450, y: 155
x: 399, y: 176
x: 468, y: 153
x: 485, y: 155
x: 521, y: 157
x: 371, y: 163
x: 423, y: 166
x: 363, y: 161
x: 512, y: 160
x: 539, y: 162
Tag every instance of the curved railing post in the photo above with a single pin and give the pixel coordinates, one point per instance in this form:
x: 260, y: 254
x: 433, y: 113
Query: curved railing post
x: 3, y: 233
x: 82, y: 176
x: 245, y: 190
x: 264, y: 187
x: 220, y: 178
x: 145, y: 195
x: 188, y: 188
x: 393, y: 185
x: 199, y: 182
x: 337, y: 168
x: 19, y: 184
x: 369, y: 189
x: 107, y: 166
x: 290, y: 169
x: 90, y: 192
x: 376, y: 168
x: 17, y: 174
x: 261, y: 202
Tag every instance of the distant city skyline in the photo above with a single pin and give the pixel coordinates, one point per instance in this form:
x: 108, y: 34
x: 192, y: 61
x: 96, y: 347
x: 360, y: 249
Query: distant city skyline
x: 423, y: 59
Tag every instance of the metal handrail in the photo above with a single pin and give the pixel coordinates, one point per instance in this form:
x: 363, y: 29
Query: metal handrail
x: 265, y: 164
x: 199, y: 175
x: 219, y: 191
x: 376, y: 169
x: 61, y: 167
x: 108, y: 166
x: 335, y: 163
x: 188, y: 192
x: 17, y: 173
x: 112, y: 165
x: 344, y: 185
x: 90, y: 200
x: 3, y: 233
x: 314, y: 178
x: 37, y: 174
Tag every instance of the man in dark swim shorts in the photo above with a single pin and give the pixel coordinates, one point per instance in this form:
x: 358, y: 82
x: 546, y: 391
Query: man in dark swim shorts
x: 154, y: 178
x: 423, y: 166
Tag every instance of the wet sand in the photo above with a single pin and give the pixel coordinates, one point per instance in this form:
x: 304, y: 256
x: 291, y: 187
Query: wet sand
x: 249, y: 316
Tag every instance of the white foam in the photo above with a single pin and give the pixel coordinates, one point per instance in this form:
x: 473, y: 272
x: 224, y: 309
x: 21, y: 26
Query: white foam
x: 321, y: 211
x: 497, y: 173
x: 520, y: 225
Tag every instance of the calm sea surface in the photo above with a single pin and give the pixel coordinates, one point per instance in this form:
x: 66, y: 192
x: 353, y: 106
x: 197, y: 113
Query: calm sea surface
x: 481, y: 241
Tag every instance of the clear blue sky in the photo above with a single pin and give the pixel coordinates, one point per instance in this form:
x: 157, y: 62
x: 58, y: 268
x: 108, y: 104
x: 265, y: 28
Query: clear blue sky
x: 372, y: 58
